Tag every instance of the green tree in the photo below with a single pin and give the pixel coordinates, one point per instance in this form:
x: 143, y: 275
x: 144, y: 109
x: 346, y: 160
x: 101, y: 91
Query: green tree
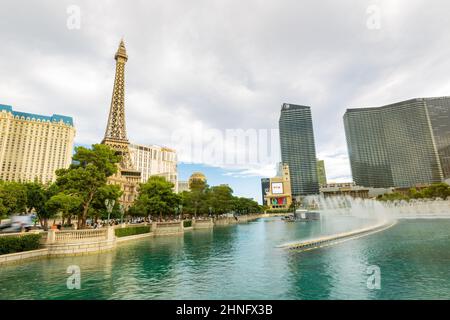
x: 220, y: 199
x: 156, y: 196
x: 13, y: 196
x: 196, y: 201
x: 414, y: 194
x: 109, y: 191
x: 41, y: 209
x: 87, y: 175
x: 65, y: 204
x: 3, y: 210
x: 437, y: 190
x: 245, y: 205
x: 36, y: 196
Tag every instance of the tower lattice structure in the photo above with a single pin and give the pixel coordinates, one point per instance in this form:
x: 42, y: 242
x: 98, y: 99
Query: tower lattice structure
x: 116, y: 134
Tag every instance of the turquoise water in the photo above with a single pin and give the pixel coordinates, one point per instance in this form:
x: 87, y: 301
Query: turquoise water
x: 242, y: 262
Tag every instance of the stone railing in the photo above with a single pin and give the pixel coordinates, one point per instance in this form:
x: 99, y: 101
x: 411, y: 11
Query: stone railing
x: 79, y: 241
x: 55, y: 236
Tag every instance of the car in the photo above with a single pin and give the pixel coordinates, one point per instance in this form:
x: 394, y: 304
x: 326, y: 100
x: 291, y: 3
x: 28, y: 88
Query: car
x: 5, y: 224
x: 18, y: 223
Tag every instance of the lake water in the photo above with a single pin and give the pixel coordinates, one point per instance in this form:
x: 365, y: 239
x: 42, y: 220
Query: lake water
x: 243, y: 262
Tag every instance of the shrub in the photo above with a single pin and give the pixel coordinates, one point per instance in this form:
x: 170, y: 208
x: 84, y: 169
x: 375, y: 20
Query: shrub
x: 12, y: 244
x: 131, y: 231
x: 187, y: 223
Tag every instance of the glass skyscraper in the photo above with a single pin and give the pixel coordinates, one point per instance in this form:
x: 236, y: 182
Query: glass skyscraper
x: 401, y: 144
x: 298, y: 149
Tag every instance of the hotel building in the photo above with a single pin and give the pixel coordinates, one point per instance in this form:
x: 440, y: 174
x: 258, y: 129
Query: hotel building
x: 155, y: 161
x: 298, y: 150
x: 400, y: 145
x: 33, y: 146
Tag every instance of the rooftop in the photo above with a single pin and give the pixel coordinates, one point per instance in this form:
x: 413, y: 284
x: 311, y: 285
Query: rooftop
x: 37, y: 117
x: 290, y: 106
x: 394, y: 104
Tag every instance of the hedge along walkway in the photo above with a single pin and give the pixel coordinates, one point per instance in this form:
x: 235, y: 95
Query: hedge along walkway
x: 19, y: 243
x: 131, y: 231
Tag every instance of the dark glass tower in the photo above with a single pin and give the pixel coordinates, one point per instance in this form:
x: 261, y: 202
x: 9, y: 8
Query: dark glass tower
x: 298, y: 149
x: 401, y: 144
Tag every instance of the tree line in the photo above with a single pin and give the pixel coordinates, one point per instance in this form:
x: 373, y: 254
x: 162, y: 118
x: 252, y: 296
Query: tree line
x: 434, y: 191
x: 156, y: 198
x: 80, y: 192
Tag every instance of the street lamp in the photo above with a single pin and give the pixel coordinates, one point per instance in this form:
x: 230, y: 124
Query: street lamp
x: 181, y: 209
x: 109, y: 203
x: 122, y: 210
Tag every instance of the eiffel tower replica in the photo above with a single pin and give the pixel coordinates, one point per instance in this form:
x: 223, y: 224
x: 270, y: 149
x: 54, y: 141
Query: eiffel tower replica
x: 116, y: 134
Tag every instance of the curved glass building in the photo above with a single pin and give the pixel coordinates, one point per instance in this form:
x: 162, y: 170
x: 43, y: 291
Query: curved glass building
x: 400, y: 145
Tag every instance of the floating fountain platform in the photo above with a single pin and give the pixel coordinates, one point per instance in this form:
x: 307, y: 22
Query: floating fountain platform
x: 337, y: 238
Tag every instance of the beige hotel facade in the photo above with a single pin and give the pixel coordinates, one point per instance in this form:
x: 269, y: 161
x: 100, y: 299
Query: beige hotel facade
x: 155, y: 160
x: 34, y: 146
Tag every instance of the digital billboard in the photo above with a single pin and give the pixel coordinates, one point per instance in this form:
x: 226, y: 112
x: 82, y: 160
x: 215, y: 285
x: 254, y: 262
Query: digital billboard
x: 277, y: 187
x: 278, y: 201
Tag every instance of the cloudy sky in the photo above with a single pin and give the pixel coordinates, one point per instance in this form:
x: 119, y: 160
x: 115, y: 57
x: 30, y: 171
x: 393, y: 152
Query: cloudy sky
x: 222, y: 65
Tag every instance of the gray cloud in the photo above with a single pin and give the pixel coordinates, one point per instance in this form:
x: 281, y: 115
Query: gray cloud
x: 225, y: 64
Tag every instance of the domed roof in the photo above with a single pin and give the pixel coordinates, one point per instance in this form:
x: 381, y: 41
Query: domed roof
x: 197, y: 176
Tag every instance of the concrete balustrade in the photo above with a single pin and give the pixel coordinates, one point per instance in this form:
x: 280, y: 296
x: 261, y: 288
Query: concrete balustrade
x: 77, y: 236
x: 79, y: 242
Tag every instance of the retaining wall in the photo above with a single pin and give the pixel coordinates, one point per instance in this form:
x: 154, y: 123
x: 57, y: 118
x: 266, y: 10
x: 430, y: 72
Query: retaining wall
x: 203, y: 224
x: 167, y: 228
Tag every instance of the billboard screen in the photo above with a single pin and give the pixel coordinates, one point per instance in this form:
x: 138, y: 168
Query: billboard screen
x: 277, y: 187
x: 278, y: 201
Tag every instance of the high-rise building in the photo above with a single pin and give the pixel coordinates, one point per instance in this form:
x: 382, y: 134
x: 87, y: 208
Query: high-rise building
x: 265, y: 188
x: 321, y: 173
x: 33, y: 146
x: 127, y: 177
x: 400, y: 145
x: 297, y: 148
x: 155, y: 161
